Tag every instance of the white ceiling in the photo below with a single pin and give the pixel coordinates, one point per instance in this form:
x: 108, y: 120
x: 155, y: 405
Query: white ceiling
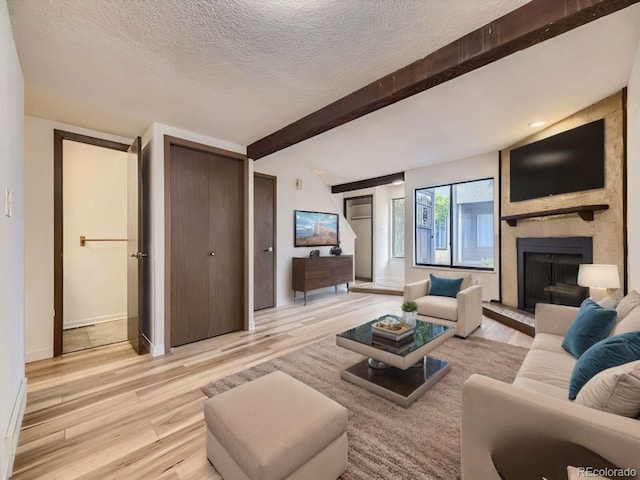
x: 241, y: 69
x: 484, y: 111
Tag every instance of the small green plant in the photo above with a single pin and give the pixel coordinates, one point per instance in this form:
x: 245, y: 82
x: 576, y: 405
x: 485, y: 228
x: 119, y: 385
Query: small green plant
x: 409, y: 307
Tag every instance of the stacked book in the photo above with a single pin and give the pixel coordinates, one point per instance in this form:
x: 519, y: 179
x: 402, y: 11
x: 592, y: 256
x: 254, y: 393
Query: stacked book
x: 392, y: 328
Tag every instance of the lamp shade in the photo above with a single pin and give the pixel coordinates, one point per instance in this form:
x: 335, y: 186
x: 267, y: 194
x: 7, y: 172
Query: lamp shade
x: 598, y: 276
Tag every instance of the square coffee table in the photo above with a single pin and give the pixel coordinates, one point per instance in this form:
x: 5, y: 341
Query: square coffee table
x: 398, y: 371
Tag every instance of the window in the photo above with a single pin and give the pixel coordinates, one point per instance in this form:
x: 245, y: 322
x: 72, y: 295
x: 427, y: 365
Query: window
x: 485, y: 230
x: 397, y: 228
x: 454, y: 225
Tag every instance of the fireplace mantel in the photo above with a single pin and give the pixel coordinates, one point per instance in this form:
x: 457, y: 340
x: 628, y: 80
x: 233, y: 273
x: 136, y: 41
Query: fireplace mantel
x: 585, y: 212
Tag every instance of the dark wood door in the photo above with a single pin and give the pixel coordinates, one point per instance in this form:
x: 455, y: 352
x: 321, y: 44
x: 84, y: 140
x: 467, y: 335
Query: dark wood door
x: 226, y: 241
x: 189, y: 245
x: 264, y: 229
x: 135, y: 241
x: 145, y: 288
x: 207, y: 244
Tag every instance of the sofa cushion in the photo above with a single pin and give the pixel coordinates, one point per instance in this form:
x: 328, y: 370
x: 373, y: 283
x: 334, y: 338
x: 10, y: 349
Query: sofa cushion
x: 628, y: 303
x: 440, y: 307
x: 615, y: 390
x: 630, y: 323
x: 592, y: 324
x: 607, y: 353
x: 548, y: 342
x: 444, y: 287
x: 553, y: 368
x: 541, y: 387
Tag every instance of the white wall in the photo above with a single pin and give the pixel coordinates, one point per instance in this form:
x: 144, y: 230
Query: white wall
x: 156, y: 137
x: 474, y: 168
x: 315, y: 196
x: 11, y: 239
x: 38, y: 199
x: 94, y: 203
x: 633, y: 174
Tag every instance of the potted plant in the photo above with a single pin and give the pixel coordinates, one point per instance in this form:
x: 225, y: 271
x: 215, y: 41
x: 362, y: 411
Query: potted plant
x: 409, y: 313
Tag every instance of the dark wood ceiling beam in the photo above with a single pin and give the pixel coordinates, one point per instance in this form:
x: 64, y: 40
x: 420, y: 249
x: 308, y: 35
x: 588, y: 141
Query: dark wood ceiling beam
x: 533, y: 23
x: 368, y: 183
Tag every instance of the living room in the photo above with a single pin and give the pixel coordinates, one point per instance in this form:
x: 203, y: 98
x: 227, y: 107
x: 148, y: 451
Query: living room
x: 337, y: 156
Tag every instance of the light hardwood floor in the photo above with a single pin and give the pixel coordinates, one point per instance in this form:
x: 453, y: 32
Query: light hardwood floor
x: 110, y: 414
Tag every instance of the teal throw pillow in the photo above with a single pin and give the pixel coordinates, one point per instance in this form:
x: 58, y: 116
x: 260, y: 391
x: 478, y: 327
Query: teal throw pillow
x: 607, y: 353
x: 444, y: 287
x: 592, y: 324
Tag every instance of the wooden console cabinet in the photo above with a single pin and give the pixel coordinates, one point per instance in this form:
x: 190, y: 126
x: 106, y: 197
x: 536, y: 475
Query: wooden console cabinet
x: 311, y: 273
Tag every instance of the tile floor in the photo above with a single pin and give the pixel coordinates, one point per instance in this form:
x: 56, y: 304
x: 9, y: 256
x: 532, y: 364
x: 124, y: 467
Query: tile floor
x: 92, y: 336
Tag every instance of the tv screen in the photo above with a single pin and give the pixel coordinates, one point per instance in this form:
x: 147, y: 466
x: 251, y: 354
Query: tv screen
x: 570, y: 161
x: 315, y: 229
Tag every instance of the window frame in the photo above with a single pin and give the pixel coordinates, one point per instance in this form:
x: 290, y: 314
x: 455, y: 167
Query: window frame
x: 450, y: 226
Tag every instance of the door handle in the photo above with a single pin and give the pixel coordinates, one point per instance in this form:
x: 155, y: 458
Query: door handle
x: 269, y: 249
x: 212, y: 254
x: 138, y: 255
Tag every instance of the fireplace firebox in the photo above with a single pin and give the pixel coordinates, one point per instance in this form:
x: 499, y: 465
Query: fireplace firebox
x: 548, y: 270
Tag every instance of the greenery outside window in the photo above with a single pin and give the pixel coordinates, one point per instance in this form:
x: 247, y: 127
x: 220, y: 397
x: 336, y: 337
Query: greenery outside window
x: 397, y: 228
x: 454, y: 225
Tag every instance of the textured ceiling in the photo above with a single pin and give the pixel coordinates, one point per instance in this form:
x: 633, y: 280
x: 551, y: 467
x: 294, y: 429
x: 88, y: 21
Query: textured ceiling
x: 484, y: 111
x: 241, y: 69
x: 233, y: 69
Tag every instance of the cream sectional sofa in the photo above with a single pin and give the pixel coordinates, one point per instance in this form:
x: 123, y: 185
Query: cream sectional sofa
x: 530, y: 429
x: 463, y: 313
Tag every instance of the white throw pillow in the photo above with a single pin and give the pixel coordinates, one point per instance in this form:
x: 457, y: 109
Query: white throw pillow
x: 628, y: 303
x: 614, y: 390
x: 630, y: 323
x: 574, y: 473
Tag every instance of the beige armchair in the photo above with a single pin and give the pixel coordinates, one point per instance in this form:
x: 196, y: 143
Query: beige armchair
x: 464, y: 312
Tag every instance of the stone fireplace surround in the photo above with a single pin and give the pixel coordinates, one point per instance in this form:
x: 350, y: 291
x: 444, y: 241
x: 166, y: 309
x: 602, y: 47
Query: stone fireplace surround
x: 606, y: 230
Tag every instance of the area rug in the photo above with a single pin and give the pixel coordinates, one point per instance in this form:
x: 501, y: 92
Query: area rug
x: 386, y: 441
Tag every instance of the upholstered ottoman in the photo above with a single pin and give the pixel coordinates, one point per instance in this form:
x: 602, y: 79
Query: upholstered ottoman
x: 276, y: 428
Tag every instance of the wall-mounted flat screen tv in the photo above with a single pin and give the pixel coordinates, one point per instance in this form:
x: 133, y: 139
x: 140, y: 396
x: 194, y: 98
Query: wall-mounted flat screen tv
x: 570, y: 161
x: 315, y: 229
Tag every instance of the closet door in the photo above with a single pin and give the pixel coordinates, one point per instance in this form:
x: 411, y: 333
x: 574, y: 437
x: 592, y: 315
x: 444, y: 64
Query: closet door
x: 226, y: 238
x: 207, y: 244
x: 190, y: 261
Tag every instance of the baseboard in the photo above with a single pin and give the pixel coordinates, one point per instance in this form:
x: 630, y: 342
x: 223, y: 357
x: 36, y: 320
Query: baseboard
x: 92, y: 321
x: 13, y: 430
x: 155, y: 350
x: 35, y: 355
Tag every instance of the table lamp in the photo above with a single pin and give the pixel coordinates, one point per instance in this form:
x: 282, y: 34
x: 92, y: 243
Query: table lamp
x: 602, y: 280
